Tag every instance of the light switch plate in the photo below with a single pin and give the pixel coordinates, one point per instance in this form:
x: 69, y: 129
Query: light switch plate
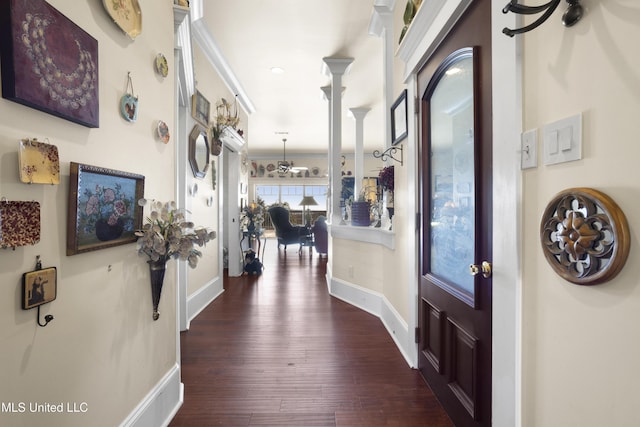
x: 529, y: 149
x: 563, y: 140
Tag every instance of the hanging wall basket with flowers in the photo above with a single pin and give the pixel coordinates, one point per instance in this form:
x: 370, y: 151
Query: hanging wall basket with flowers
x: 165, y: 235
x: 386, y: 178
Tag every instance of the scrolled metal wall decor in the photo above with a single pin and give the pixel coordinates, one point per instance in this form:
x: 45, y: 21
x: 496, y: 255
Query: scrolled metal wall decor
x: 585, y: 236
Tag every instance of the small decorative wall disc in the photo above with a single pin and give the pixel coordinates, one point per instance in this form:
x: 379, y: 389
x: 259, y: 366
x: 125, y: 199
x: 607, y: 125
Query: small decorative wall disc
x: 585, y: 236
x: 163, y: 132
x: 161, y: 65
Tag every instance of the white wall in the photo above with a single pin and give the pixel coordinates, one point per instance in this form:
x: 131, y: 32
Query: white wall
x: 209, y: 84
x: 579, y: 348
x: 103, y: 347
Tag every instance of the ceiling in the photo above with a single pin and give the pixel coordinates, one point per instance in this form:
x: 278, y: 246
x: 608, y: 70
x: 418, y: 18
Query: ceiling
x: 295, y: 35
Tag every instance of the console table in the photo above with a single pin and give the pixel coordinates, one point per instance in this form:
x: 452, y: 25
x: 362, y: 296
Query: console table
x: 254, y: 236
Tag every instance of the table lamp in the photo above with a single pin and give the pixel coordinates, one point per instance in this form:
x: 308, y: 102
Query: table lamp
x: 305, y: 203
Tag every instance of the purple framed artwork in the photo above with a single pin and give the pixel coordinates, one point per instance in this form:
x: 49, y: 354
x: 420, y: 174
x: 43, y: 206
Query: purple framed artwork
x: 103, y: 208
x: 48, y: 62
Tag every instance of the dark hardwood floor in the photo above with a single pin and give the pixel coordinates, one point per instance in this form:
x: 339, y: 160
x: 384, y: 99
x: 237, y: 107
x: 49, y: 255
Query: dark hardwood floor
x: 277, y: 350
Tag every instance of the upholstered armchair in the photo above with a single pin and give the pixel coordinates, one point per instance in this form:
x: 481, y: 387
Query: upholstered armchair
x: 320, y: 236
x: 286, y: 232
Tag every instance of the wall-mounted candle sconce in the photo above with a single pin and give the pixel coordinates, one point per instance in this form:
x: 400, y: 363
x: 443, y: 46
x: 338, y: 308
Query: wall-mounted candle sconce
x: 570, y: 17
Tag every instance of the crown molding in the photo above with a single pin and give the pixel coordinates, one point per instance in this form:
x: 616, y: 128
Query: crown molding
x: 432, y: 23
x: 212, y: 52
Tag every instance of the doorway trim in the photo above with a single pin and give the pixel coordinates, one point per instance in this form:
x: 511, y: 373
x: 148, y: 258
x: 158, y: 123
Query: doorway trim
x: 184, y: 87
x: 432, y: 24
x: 507, y: 200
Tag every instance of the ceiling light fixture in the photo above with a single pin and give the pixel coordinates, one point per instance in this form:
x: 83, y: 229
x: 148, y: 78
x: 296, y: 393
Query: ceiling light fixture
x: 277, y: 70
x: 284, y: 166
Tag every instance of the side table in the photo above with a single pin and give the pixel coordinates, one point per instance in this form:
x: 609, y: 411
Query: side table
x: 306, y: 240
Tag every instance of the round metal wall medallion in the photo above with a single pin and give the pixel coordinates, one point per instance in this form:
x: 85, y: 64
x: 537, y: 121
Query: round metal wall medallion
x: 585, y: 236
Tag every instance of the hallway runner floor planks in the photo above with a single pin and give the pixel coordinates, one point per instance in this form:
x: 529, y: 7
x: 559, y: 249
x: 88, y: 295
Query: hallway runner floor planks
x: 278, y: 350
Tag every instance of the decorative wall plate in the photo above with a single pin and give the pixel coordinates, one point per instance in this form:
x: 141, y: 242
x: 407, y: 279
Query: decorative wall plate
x: 129, y: 107
x: 126, y: 14
x: 129, y: 103
x: 19, y: 223
x: 162, y: 66
x: 585, y: 236
x: 39, y: 162
x: 163, y: 132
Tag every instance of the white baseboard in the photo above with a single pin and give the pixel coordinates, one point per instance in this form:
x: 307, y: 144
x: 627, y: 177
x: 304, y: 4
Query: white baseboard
x: 161, y: 404
x: 360, y: 297
x: 200, y: 299
x: 399, y: 331
x: 375, y: 303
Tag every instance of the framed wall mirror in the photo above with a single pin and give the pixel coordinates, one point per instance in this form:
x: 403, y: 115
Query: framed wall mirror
x: 199, y: 151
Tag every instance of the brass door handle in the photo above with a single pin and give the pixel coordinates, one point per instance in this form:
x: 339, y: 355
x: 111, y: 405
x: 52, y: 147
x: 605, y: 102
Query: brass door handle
x: 474, y: 269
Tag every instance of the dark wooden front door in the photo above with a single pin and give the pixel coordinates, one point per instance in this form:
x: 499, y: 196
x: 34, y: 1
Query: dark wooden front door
x: 455, y: 276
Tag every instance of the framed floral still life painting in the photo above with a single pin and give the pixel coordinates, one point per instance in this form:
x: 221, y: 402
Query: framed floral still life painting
x: 48, y: 62
x: 39, y: 287
x: 103, y: 208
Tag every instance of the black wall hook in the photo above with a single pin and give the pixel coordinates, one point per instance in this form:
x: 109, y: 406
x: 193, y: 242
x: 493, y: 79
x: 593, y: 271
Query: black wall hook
x: 571, y: 16
x: 48, y: 318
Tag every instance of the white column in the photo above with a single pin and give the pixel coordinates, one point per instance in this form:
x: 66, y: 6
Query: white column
x: 384, y: 28
x: 326, y: 90
x: 359, y: 114
x: 336, y: 67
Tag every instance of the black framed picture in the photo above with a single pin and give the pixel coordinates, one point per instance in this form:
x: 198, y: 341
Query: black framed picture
x: 399, y: 119
x: 39, y: 287
x: 103, y: 208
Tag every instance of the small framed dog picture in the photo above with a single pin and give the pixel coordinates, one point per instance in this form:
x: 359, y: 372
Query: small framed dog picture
x: 39, y: 287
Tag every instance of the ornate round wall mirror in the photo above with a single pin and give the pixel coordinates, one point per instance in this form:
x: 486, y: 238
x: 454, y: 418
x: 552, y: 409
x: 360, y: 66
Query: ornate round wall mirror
x: 199, y: 151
